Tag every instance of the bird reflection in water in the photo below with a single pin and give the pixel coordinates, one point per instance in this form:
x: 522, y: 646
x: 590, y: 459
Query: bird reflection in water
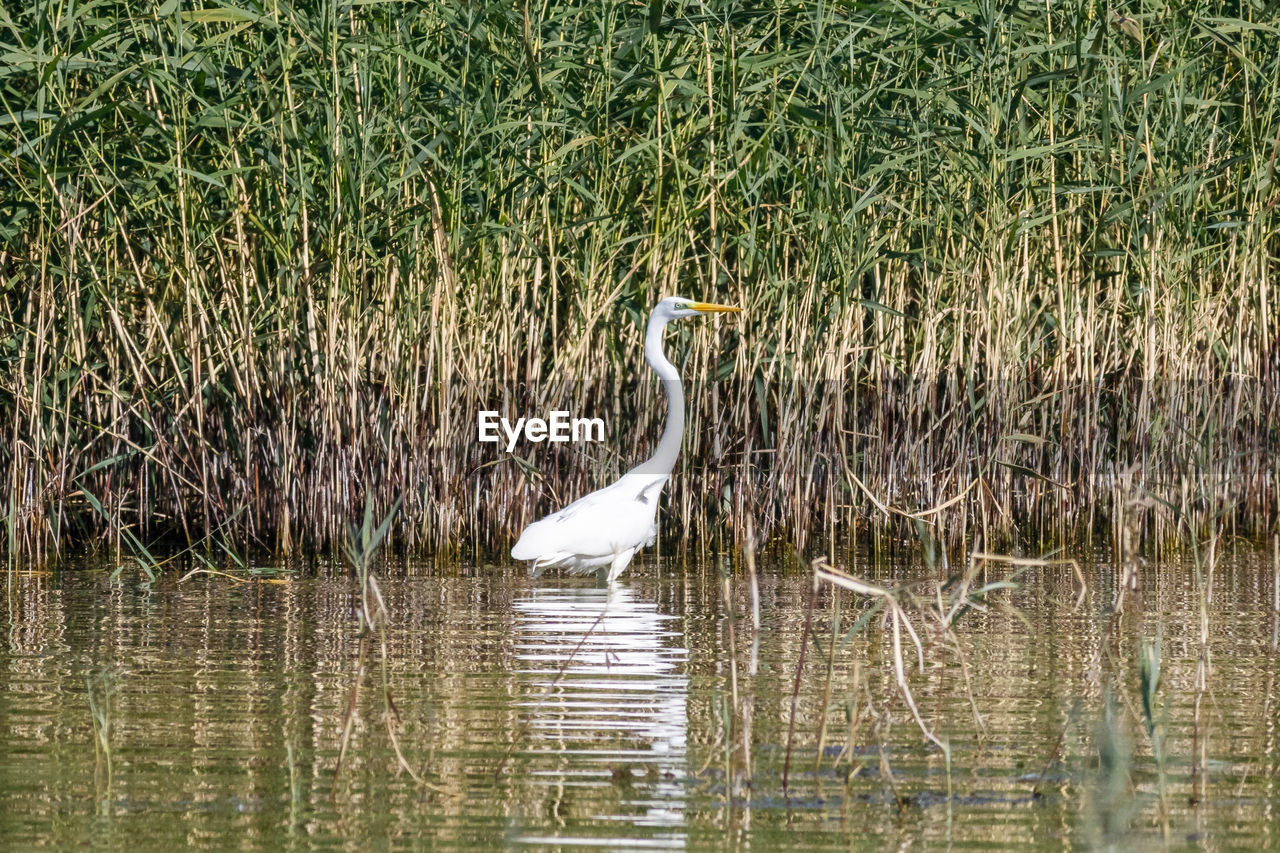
x: 605, y: 707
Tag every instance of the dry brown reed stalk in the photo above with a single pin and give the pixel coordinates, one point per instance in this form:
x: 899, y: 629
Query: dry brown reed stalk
x: 917, y: 627
x: 977, y: 558
x: 826, y: 686
x: 898, y: 624
x: 1275, y: 591
x: 1205, y: 569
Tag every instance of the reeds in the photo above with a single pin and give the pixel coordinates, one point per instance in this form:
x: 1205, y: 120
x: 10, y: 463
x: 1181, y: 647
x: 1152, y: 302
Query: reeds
x: 258, y: 264
x: 362, y: 544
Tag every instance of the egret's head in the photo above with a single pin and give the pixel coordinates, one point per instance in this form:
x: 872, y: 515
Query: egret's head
x: 675, y: 307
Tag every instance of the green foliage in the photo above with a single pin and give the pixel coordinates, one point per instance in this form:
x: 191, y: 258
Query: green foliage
x: 258, y: 254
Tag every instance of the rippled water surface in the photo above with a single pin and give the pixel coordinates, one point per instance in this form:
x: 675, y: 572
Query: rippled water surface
x: 211, y: 713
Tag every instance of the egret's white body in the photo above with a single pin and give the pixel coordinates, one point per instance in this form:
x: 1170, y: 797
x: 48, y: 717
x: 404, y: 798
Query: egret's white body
x: 608, y: 526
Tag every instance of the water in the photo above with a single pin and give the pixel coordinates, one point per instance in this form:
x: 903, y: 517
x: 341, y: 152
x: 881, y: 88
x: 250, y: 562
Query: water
x: 549, y: 713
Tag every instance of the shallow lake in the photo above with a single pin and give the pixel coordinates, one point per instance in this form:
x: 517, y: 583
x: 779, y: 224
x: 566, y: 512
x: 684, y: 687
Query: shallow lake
x: 551, y: 714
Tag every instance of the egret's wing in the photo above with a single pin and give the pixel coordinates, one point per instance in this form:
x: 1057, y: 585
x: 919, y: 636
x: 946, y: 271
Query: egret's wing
x: 607, y: 521
x: 648, y: 493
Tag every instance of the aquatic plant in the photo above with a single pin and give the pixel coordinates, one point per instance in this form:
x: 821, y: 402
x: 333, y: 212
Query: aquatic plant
x: 256, y: 260
x: 99, y: 691
x: 911, y: 617
x: 363, y: 542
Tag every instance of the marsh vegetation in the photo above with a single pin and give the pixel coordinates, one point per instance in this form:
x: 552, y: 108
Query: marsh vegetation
x: 490, y: 710
x: 1008, y: 279
x: 1010, y: 263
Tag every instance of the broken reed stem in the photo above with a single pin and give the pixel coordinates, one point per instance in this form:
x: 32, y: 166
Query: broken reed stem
x: 899, y: 623
x: 750, y: 549
x: 826, y: 687
x: 392, y: 714
x: 795, y: 687
x: 349, y: 718
x: 1037, y: 790
x: 727, y: 592
x: 1275, y: 584
x: 1275, y: 592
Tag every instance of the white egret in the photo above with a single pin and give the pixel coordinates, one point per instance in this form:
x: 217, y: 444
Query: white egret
x: 608, y: 526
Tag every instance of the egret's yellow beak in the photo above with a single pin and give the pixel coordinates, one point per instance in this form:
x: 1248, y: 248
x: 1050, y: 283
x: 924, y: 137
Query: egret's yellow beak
x: 711, y: 308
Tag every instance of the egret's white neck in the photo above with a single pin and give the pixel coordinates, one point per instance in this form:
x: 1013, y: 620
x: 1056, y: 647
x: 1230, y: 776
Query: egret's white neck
x: 664, y: 458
